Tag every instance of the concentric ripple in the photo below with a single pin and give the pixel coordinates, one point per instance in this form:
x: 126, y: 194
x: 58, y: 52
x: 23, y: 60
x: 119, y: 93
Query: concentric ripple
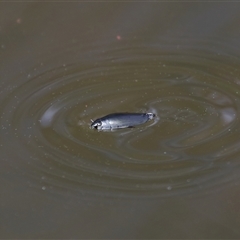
x: 193, y: 144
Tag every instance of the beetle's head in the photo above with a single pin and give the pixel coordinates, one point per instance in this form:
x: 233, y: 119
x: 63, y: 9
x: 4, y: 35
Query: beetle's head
x: 151, y: 115
x: 96, y: 124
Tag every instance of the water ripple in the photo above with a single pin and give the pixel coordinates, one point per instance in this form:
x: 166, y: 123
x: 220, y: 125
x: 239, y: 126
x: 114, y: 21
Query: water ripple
x: 192, y: 144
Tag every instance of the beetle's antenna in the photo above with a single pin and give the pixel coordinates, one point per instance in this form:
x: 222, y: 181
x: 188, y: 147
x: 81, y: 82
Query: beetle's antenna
x: 91, y: 120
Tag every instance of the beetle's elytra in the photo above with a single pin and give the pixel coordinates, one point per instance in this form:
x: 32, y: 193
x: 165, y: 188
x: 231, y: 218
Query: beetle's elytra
x: 121, y: 120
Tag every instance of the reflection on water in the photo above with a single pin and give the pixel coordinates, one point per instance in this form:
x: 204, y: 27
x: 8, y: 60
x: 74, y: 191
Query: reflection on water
x: 193, y: 144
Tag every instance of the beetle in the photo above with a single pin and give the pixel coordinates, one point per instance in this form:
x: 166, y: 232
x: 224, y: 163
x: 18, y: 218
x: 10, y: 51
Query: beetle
x: 121, y: 120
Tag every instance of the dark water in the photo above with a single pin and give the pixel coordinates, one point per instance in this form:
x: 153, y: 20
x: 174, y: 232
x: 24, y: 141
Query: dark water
x: 65, y: 64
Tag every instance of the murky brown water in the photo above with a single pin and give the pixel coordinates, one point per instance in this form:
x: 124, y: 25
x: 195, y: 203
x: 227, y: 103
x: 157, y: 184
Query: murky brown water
x: 65, y: 64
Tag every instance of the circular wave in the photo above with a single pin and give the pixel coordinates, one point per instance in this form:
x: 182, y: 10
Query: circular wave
x: 192, y: 144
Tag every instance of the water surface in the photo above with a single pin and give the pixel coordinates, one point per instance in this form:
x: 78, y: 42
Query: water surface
x: 67, y: 180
